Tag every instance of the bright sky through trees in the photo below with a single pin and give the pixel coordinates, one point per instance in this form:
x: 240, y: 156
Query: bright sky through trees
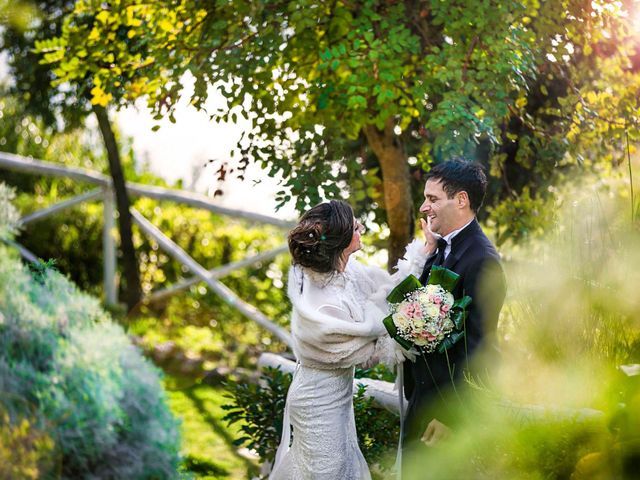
x: 182, y: 150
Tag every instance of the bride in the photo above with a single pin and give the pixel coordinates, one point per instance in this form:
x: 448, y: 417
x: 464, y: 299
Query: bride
x: 336, y: 323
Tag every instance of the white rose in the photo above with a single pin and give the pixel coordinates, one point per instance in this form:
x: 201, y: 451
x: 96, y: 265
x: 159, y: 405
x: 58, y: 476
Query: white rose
x: 400, y: 320
x: 433, y: 310
x: 432, y: 289
x: 421, y: 342
x: 418, y: 324
x: 448, y: 299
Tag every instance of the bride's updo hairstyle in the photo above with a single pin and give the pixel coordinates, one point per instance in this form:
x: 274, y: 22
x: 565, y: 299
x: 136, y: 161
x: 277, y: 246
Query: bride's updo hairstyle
x: 322, y: 234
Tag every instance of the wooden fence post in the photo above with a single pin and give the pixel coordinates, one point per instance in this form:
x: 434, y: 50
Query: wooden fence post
x: 109, y: 249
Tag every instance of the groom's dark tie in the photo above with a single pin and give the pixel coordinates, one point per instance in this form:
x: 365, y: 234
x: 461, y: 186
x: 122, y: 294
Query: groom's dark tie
x: 442, y: 245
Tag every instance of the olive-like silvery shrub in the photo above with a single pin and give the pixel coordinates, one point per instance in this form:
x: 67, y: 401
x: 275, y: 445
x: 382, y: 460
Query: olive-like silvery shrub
x: 77, y: 399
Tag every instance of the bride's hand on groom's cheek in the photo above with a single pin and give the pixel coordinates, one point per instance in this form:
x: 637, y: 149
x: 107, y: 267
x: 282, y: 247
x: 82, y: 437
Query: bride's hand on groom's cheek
x: 430, y: 240
x: 436, y: 432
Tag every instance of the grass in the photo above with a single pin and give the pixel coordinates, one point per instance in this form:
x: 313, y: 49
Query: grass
x: 207, y: 441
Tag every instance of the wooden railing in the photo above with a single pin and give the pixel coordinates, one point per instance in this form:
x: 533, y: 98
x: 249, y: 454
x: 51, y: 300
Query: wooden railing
x: 104, y: 193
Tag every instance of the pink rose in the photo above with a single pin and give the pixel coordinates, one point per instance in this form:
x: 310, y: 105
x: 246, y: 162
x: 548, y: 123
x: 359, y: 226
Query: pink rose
x: 411, y: 310
x: 428, y: 336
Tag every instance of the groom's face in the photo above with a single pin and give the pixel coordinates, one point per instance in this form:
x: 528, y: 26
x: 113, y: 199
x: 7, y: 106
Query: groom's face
x: 440, y: 209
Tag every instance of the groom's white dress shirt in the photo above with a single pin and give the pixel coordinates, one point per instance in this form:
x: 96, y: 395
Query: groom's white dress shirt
x: 448, y: 237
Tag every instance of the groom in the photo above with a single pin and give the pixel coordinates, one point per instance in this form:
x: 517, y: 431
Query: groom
x: 454, y: 191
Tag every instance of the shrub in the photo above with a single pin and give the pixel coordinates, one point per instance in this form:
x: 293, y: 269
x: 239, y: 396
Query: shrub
x: 74, y: 388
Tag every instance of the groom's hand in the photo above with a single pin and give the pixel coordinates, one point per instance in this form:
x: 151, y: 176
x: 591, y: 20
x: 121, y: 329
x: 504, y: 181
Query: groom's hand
x: 436, y: 431
x: 431, y: 241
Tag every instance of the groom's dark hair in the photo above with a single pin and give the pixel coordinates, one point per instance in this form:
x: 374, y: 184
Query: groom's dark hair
x: 460, y: 175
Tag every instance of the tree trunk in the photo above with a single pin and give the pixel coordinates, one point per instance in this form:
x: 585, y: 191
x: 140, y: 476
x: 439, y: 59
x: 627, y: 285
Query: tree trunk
x: 396, y: 183
x: 132, y: 290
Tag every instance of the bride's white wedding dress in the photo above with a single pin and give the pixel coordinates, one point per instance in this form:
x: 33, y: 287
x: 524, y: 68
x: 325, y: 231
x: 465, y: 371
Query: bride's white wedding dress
x: 336, y: 324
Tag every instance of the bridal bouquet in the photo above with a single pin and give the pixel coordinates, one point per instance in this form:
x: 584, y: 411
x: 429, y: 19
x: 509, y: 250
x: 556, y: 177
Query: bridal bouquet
x: 427, y: 317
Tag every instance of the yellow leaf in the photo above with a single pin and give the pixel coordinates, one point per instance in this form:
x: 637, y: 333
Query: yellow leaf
x: 587, y: 50
x: 165, y: 25
x: 521, y: 102
x: 480, y: 113
x: 131, y: 33
x: 96, y: 91
x: 94, y: 35
x: 103, y: 16
x: 100, y: 97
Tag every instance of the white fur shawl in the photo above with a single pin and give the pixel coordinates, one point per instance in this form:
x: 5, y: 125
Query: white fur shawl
x: 337, y: 318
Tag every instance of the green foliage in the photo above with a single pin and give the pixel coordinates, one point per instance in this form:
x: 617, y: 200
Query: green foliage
x: 9, y: 216
x: 58, y: 108
x: 260, y: 408
x: 74, y: 237
x: 25, y: 450
x: 15, y: 14
x: 377, y: 428
x: 200, y: 323
x: 522, y: 218
x: 545, y: 448
x: 69, y: 370
x: 516, y: 85
x: 377, y: 372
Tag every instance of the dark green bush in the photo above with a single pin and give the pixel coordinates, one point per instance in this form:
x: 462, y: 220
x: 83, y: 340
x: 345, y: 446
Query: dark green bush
x: 259, y: 407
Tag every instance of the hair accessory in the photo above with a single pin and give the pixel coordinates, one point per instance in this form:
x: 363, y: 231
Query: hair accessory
x: 322, y: 237
x: 311, y: 235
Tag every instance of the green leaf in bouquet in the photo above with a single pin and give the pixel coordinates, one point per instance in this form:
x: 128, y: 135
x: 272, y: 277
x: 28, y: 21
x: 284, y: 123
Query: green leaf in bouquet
x: 458, y: 317
x: 450, y: 341
x: 444, y: 277
x: 393, y: 332
x: 390, y: 326
x: 408, y: 285
x: 459, y: 311
x: 463, y: 302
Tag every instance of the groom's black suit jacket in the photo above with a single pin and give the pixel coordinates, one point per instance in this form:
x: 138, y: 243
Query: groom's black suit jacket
x: 476, y: 260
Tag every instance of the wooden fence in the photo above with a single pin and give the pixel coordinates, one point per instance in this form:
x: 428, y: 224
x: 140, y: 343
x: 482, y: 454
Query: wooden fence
x: 104, y: 193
